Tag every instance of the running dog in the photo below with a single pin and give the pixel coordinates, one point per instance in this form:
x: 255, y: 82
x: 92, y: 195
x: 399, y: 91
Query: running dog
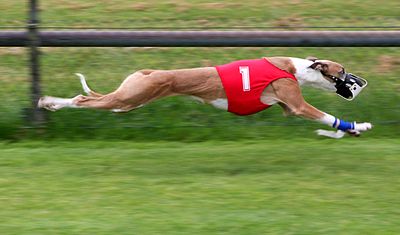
x: 242, y: 87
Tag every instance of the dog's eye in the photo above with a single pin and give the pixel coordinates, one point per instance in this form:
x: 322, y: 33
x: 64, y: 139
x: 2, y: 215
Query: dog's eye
x: 342, y: 73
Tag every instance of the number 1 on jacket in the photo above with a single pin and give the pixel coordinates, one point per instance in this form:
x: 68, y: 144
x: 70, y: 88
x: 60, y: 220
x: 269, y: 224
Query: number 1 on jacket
x: 244, y: 70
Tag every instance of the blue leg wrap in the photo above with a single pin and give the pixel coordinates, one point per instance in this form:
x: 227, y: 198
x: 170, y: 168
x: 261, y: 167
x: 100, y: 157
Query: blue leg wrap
x: 343, y: 125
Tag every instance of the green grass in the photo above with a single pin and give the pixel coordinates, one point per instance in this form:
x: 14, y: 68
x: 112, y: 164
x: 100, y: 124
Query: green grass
x: 297, y: 186
x: 194, y: 13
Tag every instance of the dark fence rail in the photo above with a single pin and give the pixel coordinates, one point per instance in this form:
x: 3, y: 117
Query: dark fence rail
x: 204, y: 38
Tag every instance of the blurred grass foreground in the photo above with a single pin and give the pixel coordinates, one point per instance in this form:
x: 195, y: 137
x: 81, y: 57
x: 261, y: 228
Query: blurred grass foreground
x: 271, y: 187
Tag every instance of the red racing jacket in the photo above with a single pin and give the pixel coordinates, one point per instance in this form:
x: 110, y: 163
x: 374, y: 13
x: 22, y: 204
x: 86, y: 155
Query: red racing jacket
x: 245, y: 80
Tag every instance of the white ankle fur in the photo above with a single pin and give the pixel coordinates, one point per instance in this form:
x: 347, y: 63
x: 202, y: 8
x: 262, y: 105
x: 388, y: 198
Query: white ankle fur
x: 327, y: 119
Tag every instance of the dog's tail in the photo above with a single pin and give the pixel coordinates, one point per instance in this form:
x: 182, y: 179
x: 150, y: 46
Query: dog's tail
x: 85, y: 86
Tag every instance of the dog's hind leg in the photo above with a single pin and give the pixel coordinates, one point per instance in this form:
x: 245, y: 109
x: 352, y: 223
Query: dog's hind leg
x: 137, y: 90
x: 55, y: 103
x: 108, y: 101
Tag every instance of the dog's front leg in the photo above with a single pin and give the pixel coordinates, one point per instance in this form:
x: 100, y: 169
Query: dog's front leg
x: 289, y: 93
x: 286, y: 110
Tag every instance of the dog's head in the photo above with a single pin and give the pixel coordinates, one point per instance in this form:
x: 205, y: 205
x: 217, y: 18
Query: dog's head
x: 347, y: 85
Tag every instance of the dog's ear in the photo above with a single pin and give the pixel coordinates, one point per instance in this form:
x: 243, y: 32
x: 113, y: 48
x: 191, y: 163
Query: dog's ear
x: 320, y: 66
x: 312, y: 58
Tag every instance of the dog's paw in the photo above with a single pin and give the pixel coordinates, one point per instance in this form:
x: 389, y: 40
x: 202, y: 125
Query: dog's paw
x: 332, y: 134
x: 353, y: 133
x: 362, y: 126
x: 44, y: 103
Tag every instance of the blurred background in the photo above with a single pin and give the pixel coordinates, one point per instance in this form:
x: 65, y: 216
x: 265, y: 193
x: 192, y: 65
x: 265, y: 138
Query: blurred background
x: 179, y: 167
x: 181, y: 118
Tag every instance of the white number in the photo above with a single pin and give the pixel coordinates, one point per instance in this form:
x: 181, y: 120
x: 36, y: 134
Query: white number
x: 244, y: 70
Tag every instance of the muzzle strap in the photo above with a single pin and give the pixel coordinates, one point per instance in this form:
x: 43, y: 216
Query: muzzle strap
x: 348, y: 86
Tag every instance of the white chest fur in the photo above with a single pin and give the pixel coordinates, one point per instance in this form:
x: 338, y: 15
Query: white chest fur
x: 220, y: 104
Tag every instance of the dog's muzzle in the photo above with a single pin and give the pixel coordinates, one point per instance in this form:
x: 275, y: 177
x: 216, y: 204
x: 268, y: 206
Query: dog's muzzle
x: 349, y: 85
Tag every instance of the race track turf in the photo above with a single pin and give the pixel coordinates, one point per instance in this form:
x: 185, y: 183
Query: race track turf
x: 297, y: 186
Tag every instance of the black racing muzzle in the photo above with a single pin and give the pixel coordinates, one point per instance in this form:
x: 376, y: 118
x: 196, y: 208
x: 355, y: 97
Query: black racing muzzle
x: 349, y: 85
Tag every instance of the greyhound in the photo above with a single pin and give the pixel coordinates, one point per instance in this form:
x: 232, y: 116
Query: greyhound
x: 242, y: 87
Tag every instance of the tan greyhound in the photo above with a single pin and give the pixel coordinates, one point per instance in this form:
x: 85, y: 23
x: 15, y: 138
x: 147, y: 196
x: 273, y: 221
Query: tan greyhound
x: 241, y: 87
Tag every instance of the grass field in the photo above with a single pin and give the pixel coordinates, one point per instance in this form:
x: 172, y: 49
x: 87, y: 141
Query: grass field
x: 203, y: 13
x: 297, y: 186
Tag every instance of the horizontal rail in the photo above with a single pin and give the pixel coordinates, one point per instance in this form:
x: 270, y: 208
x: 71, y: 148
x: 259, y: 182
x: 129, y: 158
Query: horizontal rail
x: 91, y: 38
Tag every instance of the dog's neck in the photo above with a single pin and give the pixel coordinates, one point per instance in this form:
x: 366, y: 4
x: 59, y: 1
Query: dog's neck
x: 305, y: 75
x: 308, y: 76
